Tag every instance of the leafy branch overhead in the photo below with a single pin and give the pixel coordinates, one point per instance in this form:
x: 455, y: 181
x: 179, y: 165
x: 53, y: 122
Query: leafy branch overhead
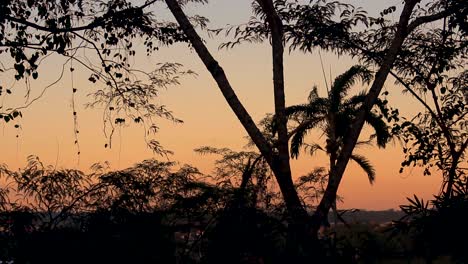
x: 97, y: 36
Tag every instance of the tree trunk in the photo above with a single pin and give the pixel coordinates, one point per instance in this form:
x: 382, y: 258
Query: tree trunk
x: 279, y: 163
x: 283, y: 168
x: 350, y: 141
x: 453, y: 169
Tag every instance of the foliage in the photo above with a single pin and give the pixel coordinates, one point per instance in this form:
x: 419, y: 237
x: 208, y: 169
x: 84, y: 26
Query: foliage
x: 312, y: 185
x: 436, y: 138
x: 334, y: 115
x: 99, y: 37
x: 424, y: 141
x: 55, y: 193
x: 158, y: 211
x: 429, y: 57
x: 246, y: 170
x: 149, y: 204
x: 436, y: 227
x: 318, y: 23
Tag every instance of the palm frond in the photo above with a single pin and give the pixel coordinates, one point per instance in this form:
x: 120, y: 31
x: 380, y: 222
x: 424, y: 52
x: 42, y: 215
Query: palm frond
x: 297, y: 141
x: 366, y: 165
x: 296, y: 110
x: 345, y: 81
x: 355, y: 100
x: 318, y: 106
x: 298, y: 134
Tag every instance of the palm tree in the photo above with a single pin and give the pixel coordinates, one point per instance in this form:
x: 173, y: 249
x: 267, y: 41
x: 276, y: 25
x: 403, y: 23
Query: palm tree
x: 334, y: 115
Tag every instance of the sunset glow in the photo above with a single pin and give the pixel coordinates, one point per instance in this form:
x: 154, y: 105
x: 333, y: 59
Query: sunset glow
x: 46, y: 130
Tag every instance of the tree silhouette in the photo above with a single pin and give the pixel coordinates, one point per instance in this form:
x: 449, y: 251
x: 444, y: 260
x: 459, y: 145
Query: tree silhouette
x: 31, y: 30
x: 309, y: 26
x: 436, y: 76
x: 383, y: 45
x: 333, y: 116
x: 436, y: 138
x: 118, y: 216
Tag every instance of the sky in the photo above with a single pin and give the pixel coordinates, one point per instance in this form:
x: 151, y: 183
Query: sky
x: 46, y: 130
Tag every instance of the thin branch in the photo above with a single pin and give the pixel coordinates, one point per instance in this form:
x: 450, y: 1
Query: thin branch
x: 427, y: 19
x: 43, y: 91
x: 103, y: 64
x: 408, y: 87
x: 98, y: 22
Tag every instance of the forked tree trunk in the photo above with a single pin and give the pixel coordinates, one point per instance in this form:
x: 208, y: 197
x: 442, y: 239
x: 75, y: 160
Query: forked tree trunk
x: 279, y: 163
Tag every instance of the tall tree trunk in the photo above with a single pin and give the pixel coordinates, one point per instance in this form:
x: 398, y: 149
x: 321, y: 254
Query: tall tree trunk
x: 301, y: 243
x: 282, y: 164
x: 351, y: 139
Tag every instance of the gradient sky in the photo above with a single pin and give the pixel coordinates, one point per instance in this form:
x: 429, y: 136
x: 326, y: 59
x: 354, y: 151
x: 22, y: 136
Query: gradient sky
x: 47, y: 126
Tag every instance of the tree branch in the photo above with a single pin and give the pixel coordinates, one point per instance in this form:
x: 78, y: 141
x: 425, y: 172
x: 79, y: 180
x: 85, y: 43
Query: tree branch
x: 412, y: 92
x: 100, y: 21
x: 427, y: 19
x: 96, y: 23
x: 221, y: 79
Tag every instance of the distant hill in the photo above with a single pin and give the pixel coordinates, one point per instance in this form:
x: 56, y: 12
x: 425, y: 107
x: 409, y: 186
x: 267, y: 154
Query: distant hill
x: 364, y: 216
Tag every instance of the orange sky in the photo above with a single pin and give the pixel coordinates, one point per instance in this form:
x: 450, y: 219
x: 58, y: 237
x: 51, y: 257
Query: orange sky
x: 47, y: 126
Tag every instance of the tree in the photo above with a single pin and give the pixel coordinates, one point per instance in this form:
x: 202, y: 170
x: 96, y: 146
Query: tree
x: 137, y: 209
x: 435, y: 139
x: 307, y: 26
x: 246, y: 171
x: 382, y: 44
x: 333, y: 115
x: 278, y: 161
x: 436, y: 77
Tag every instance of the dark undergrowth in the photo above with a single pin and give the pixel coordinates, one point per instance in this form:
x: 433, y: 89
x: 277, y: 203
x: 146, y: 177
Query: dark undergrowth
x: 157, y: 212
